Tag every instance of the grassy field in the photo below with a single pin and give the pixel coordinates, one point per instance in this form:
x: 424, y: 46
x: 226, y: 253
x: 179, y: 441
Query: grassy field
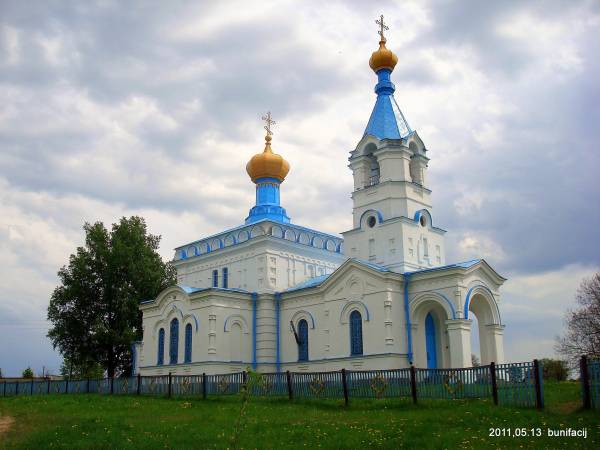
x: 97, y: 422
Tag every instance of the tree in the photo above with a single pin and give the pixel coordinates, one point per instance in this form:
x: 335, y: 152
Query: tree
x: 92, y: 370
x: 554, y: 369
x: 475, y: 360
x: 27, y: 373
x: 94, y: 311
x: 582, y: 336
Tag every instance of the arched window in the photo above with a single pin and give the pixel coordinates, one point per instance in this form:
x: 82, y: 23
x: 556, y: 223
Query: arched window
x: 303, y: 337
x: 174, y: 342
x: 356, y: 340
x: 225, y: 277
x: 160, y: 360
x: 188, y: 343
x: 215, y: 279
x: 373, y: 170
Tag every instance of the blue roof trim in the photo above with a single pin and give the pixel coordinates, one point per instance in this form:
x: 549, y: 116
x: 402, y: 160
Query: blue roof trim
x: 181, y: 252
x: 192, y: 290
x: 460, y: 265
x: 317, y: 281
x: 373, y: 266
x: 410, y: 220
x: 312, y: 282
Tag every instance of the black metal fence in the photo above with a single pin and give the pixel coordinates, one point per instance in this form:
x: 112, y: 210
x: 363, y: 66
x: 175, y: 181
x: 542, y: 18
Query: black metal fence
x: 518, y: 384
x: 590, y: 382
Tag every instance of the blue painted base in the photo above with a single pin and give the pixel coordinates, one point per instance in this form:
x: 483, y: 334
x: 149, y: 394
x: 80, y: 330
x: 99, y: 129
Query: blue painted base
x: 269, y: 212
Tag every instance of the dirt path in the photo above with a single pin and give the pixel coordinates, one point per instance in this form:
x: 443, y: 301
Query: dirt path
x: 5, y: 423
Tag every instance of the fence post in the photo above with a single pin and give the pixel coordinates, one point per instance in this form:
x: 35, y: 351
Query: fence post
x: 288, y: 376
x: 16, y: 388
x: 413, y: 383
x: 345, y: 386
x: 139, y: 385
x: 4, y: 389
x: 87, y: 389
x: 539, y: 401
x: 203, y: 385
x: 31, y: 390
x: 112, y: 385
x: 494, y: 382
x: 48, y: 386
x: 67, y: 386
x: 244, y: 378
x: 170, y: 381
x: 585, y: 380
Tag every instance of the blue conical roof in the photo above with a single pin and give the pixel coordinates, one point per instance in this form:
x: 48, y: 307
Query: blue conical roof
x: 387, y: 120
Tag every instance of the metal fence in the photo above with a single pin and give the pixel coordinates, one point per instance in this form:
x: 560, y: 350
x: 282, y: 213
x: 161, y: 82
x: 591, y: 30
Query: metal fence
x: 518, y: 384
x: 590, y: 382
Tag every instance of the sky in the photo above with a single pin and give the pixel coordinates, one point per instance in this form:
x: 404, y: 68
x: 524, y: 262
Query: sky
x: 110, y: 109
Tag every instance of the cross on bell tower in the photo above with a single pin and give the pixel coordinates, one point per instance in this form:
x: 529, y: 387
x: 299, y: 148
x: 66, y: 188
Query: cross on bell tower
x: 269, y: 122
x: 382, y: 27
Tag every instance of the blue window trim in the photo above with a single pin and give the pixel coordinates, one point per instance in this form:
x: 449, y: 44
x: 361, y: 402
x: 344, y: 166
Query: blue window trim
x: 188, y: 343
x: 225, y: 277
x: 356, y: 336
x: 215, y: 278
x: 160, y: 359
x: 174, y: 341
x: 303, y: 336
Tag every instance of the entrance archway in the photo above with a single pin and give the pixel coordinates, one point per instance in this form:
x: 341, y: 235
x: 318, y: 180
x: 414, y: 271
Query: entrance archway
x: 482, y: 310
x: 430, y: 338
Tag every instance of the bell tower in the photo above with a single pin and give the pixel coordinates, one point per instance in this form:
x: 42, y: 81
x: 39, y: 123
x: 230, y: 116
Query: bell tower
x: 392, y: 207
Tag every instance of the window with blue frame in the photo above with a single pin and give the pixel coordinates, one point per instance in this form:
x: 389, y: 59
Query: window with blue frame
x: 225, y: 277
x: 160, y: 360
x: 303, y: 338
x: 174, y: 342
x: 188, y: 343
x: 215, y: 278
x: 356, y: 339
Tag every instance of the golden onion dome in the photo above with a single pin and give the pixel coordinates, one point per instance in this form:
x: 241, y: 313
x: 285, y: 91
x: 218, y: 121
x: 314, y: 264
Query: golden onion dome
x: 267, y: 164
x: 383, y: 58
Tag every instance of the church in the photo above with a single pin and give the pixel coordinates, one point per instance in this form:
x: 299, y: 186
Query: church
x: 275, y: 296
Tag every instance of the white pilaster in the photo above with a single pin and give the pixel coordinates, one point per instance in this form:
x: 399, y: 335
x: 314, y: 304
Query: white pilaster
x: 495, y: 344
x: 459, y: 336
x: 212, y: 334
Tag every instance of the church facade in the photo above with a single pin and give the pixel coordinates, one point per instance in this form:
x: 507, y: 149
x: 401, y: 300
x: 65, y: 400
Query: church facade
x: 276, y: 296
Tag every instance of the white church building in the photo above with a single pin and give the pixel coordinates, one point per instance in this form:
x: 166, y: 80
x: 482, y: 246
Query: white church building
x: 276, y: 296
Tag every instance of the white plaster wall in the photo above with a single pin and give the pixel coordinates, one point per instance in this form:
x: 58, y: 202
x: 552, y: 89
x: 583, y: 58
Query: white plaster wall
x: 211, y: 343
x: 397, y: 244
x: 330, y: 339
x: 264, y: 264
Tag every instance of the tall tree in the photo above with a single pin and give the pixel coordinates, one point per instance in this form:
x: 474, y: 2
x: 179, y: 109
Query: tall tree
x: 94, y: 311
x: 582, y: 336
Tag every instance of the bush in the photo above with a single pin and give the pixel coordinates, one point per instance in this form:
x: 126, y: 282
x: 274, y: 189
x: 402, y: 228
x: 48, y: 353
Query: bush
x: 554, y: 369
x: 27, y: 373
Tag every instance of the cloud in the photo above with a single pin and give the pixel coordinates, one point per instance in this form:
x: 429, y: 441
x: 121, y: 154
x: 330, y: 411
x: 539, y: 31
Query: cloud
x: 154, y: 109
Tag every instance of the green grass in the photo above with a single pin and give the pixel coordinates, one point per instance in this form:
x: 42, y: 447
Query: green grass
x: 94, y: 422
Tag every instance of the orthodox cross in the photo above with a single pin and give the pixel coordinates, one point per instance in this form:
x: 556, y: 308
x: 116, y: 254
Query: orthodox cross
x: 382, y: 26
x: 269, y: 121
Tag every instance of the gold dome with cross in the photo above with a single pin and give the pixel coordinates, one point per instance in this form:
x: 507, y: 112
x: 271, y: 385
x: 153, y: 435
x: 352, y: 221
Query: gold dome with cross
x: 267, y: 164
x: 382, y: 58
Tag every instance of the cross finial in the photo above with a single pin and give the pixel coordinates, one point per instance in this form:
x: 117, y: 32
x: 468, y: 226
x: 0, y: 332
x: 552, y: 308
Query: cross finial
x: 382, y: 27
x: 269, y: 122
